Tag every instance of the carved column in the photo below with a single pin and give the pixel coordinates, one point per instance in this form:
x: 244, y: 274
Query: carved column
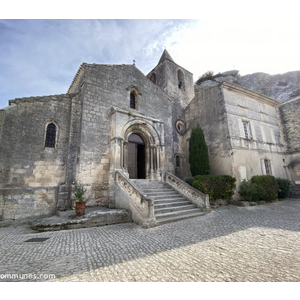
x: 125, y: 156
x: 156, y: 161
x: 147, y: 157
x: 151, y: 162
x: 122, y: 155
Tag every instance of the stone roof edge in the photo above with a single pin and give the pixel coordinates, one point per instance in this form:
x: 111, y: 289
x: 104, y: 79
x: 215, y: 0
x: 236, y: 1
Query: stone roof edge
x: 291, y: 100
x: 76, y: 76
x: 37, y: 98
x: 84, y: 64
x: 242, y: 90
x: 132, y: 66
x: 173, y: 63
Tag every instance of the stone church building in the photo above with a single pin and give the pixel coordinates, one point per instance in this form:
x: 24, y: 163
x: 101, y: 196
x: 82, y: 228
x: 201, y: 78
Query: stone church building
x: 116, y: 125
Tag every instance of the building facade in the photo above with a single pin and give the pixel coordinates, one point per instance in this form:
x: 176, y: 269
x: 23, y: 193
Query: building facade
x: 114, y: 118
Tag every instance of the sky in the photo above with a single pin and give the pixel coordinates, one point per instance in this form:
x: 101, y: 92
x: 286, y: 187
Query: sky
x: 40, y: 56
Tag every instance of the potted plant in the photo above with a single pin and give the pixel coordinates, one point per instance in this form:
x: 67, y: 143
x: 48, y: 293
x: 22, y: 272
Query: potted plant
x: 80, y: 202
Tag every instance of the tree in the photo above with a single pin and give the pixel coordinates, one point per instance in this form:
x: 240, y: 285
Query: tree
x: 198, y: 153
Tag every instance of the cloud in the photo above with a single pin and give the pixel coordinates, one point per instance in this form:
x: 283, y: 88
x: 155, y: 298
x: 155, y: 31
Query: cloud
x: 40, y: 57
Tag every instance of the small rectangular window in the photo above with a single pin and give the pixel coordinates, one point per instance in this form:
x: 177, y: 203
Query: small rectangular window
x: 268, y: 167
x: 246, y: 127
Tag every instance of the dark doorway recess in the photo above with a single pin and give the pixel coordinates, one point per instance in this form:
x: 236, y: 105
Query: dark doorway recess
x: 136, y: 157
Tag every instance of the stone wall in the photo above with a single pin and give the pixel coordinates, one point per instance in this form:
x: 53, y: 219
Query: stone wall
x: 104, y: 87
x: 289, y: 115
x: 220, y: 111
x: 168, y: 74
x: 29, y: 172
x: 167, y: 79
x: 208, y: 110
x: 264, y: 139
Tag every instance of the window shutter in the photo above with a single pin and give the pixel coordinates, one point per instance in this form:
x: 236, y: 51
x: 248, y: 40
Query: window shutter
x: 241, y: 128
x: 273, y: 136
x: 263, y: 133
x: 272, y: 168
x: 263, y: 167
x: 253, y: 133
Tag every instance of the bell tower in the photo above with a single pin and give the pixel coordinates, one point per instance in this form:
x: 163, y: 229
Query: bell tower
x: 173, y: 79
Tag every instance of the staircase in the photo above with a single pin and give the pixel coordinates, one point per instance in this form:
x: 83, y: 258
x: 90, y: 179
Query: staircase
x: 295, y: 191
x: 169, y: 205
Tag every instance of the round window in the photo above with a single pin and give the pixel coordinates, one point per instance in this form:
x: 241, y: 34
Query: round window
x: 180, y: 126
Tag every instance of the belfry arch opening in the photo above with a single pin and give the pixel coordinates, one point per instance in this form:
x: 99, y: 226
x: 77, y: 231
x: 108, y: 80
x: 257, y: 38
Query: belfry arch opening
x: 181, y: 83
x: 136, y: 157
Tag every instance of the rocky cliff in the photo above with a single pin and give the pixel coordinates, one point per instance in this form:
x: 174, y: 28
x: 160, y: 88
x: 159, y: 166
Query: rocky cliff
x: 281, y: 87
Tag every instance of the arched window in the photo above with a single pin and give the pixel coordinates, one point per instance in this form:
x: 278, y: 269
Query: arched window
x: 50, y: 135
x: 181, y: 84
x: 153, y: 78
x: 133, y: 100
x: 177, y: 161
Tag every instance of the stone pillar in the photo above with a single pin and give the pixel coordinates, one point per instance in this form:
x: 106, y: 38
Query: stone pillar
x: 147, y: 162
x: 122, y: 155
x: 156, y: 160
x: 125, y: 159
x: 116, y: 154
x: 151, y: 162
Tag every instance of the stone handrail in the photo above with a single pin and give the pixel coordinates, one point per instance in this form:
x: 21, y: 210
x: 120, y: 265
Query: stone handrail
x: 198, y: 198
x: 141, y: 206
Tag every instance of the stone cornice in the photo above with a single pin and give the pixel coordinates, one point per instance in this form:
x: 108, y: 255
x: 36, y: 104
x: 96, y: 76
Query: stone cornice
x: 41, y: 98
x: 133, y: 114
x: 241, y: 90
x: 291, y: 100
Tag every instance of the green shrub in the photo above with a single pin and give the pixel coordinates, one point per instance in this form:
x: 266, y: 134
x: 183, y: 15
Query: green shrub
x: 251, y: 191
x: 198, y: 153
x: 216, y: 186
x: 284, y: 187
x: 189, y: 180
x: 269, y: 185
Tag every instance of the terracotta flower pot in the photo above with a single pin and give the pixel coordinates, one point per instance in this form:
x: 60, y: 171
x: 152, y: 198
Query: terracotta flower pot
x: 80, y: 208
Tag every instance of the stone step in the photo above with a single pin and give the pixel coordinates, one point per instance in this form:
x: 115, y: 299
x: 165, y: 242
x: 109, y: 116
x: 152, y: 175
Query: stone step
x: 169, y: 200
x: 295, y: 194
x: 149, y: 183
x: 179, y: 217
x: 174, y: 208
x: 175, y: 213
x: 152, y: 187
x: 163, y: 194
x: 162, y: 188
x: 295, y: 191
x: 146, y: 182
x: 171, y: 204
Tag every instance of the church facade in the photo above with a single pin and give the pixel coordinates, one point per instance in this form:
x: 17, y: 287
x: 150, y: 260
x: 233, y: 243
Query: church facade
x: 115, y: 120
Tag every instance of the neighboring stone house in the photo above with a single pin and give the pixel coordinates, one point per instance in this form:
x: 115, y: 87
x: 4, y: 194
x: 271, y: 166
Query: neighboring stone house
x: 116, y: 123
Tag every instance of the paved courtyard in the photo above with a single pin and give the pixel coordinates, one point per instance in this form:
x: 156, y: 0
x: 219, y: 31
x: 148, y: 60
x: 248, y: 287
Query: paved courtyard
x: 232, y: 243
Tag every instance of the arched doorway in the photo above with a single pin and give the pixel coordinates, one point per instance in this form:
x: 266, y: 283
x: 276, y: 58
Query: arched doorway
x: 136, y: 157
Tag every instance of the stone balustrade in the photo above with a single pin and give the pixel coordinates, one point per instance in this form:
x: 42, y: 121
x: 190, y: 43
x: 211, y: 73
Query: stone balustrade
x: 198, y: 198
x: 129, y: 196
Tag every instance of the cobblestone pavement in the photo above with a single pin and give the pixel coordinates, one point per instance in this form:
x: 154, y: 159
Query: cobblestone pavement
x: 260, y: 243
